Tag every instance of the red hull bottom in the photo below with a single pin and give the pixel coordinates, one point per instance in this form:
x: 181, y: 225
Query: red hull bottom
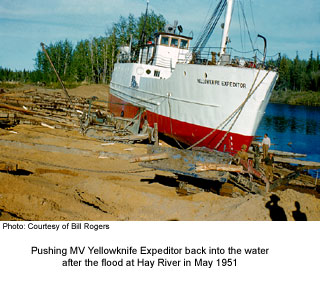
x: 183, y: 132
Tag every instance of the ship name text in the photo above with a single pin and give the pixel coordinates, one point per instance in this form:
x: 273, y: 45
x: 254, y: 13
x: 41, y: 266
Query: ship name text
x: 223, y: 83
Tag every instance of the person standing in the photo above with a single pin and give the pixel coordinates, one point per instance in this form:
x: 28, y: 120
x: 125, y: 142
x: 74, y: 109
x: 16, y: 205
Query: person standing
x: 256, y: 156
x: 266, y: 143
x: 242, y: 154
x: 268, y: 167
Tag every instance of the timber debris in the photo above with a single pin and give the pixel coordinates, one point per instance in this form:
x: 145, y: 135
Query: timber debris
x: 196, y: 170
x: 225, y: 177
x: 54, y: 111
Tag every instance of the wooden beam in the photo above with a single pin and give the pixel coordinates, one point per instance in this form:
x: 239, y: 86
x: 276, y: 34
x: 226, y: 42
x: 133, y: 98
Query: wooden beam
x: 314, y: 165
x: 137, y: 137
x: 280, y: 153
x: 156, y: 134
x: 149, y: 157
x: 200, y: 167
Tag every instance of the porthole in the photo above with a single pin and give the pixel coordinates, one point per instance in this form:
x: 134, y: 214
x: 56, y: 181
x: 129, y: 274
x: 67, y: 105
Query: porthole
x: 185, y: 73
x: 205, y: 75
x: 139, y: 70
x: 148, y: 71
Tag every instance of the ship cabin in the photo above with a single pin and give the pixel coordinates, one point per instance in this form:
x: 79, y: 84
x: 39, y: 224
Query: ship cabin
x: 166, y: 51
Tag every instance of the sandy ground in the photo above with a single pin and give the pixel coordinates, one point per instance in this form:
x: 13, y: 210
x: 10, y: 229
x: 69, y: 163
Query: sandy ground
x: 62, y: 176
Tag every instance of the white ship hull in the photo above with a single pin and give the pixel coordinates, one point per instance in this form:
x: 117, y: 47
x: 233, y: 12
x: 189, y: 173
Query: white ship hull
x: 192, y: 100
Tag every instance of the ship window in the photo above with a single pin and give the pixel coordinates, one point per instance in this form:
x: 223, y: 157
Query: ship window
x: 184, y: 44
x: 174, y: 42
x: 164, y: 40
x: 148, y: 71
x: 156, y: 73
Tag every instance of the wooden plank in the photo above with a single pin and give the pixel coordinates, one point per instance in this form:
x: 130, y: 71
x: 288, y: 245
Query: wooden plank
x: 286, y: 154
x: 156, y: 134
x: 137, y: 137
x: 280, y: 153
x: 314, y: 165
x: 149, y: 157
x: 200, y: 167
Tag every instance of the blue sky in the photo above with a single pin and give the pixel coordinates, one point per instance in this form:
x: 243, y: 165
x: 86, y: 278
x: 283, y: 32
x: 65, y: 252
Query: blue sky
x: 289, y: 25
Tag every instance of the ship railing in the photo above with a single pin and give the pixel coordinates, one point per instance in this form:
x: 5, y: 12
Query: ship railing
x: 211, y: 56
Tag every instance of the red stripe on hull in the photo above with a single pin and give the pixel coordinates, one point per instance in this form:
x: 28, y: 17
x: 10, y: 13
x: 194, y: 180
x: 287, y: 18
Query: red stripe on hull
x: 184, y: 132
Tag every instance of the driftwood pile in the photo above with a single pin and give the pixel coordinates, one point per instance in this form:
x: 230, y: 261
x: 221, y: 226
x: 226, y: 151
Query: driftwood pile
x: 42, y: 108
x: 89, y: 116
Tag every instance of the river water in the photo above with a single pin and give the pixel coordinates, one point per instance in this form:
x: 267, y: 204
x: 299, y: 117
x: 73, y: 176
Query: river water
x: 293, y: 129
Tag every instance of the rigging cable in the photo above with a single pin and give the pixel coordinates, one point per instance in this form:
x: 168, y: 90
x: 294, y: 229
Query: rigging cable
x: 240, y: 25
x: 245, y: 21
x: 252, y: 16
x: 208, y: 29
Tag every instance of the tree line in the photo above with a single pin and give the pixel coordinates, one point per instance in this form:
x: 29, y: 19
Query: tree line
x: 298, y: 75
x: 90, y: 60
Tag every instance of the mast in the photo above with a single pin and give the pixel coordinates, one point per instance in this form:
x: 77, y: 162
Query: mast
x: 227, y: 21
x: 143, y: 33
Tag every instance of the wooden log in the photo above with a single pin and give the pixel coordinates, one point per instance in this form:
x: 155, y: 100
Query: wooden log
x: 29, y: 91
x: 51, y: 121
x: 46, y: 125
x: 149, y: 157
x: 12, y: 94
x: 200, y: 167
x: 10, y: 107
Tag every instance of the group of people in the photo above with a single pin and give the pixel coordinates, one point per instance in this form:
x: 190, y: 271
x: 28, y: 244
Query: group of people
x: 267, y: 158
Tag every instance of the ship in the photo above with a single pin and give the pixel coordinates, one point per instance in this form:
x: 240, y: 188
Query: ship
x: 197, y: 96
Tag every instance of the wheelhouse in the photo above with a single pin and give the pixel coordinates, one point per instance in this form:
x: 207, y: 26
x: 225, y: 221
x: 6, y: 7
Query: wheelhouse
x: 166, y: 50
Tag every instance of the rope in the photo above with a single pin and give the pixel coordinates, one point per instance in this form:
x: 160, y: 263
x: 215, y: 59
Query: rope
x: 240, y: 108
x: 233, y: 114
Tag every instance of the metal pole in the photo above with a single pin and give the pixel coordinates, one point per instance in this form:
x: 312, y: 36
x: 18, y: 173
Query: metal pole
x: 55, y: 71
x: 63, y: 87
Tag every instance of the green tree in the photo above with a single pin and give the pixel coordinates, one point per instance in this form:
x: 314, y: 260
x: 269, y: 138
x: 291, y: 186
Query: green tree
x: 284, y: 74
